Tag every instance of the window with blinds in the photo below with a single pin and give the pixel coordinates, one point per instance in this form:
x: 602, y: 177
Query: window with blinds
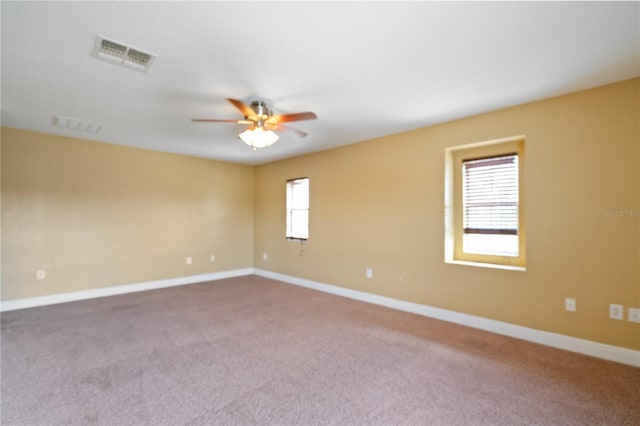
x: 490, y: 205
x: 298, y: 209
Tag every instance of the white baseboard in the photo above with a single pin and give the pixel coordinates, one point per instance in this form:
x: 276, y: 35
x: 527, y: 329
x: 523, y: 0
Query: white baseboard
x: 559, y: 341
x: 11, y: 305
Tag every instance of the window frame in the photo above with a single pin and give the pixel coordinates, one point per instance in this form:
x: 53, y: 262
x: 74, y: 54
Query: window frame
x: 289, y: 227
x: 454, y: 215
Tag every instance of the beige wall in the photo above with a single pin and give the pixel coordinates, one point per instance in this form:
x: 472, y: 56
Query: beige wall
x: 379, y: 204
x: 95, y: 215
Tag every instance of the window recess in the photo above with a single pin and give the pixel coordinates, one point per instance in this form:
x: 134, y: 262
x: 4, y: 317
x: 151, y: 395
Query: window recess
x: 484, y: 199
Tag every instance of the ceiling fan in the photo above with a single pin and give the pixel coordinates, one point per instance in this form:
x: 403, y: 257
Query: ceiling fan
x: 263, y: 123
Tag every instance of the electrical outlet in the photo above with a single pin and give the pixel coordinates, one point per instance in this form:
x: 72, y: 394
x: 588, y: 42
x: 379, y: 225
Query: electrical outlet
x: 634, y: 314
x: 616, y: 311
x: 570, y: 304
x: 265, y: 256
x: 41, y: 274
x: 212, y: 258
x: 189, y: 260
x: 369, y: 273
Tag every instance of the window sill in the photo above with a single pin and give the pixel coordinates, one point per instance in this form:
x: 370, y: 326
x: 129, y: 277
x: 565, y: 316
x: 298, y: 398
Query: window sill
x: 487, y: 265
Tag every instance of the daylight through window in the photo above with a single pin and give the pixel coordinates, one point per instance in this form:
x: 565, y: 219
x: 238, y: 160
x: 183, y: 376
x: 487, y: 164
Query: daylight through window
x: 490, y: 205
x: 298, y: 209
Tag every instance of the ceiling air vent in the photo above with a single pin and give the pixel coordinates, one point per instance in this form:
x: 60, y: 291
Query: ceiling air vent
x: 117, y: 53
x: 76, y: 124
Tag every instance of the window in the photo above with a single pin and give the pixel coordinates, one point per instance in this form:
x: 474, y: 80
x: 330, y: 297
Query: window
x: 490, y: 205
x: 298, y: 209
x: 484, y: 204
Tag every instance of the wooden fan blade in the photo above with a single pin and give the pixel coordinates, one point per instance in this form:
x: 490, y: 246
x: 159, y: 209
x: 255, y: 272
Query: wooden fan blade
x: 287, y: 118
x: 243, y: 108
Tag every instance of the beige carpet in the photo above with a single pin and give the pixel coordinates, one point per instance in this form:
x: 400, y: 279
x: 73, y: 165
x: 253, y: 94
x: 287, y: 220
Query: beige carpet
x: 255, y: 351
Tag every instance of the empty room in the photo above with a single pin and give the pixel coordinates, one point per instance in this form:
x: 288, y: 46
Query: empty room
x: 320, y: 213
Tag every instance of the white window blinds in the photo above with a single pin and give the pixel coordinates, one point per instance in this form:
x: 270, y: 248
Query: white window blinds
x: 490, y: 195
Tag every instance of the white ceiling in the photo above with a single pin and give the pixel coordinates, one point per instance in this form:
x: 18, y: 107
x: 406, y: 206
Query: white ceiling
x: 367, y: 69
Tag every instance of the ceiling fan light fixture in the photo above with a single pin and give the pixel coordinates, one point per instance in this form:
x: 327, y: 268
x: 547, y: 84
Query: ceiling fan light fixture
x: 258, y: 137
x: 261, y: 122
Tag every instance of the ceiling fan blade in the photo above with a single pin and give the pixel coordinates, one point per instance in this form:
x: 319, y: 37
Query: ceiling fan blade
x: 243, y: 108
x: 213, y: 120
x: 287, y: 118
x: 300, y: 133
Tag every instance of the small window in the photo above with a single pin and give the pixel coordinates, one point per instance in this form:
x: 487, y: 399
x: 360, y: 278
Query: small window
x: 298, y: 209
x: 484, y: 204
x: 490, y: 205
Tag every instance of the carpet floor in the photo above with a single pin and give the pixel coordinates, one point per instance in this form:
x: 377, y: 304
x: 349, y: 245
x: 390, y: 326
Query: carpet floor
x: 251, y: 350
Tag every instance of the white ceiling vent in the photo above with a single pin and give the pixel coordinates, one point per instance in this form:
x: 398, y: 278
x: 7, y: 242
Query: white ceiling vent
x: 76, y: 124
x: 117, y: 53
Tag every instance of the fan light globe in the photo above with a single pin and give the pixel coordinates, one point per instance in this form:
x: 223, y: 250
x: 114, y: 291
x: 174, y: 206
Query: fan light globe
x: 258, y: 137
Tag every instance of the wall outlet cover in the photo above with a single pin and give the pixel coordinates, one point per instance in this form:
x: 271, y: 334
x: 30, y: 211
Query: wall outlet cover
x: 634, y: 314
x: 570, y: 304
x: 616, y: 312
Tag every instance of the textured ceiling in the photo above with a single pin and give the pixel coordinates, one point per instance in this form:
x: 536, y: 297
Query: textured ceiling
x: 367, y: 69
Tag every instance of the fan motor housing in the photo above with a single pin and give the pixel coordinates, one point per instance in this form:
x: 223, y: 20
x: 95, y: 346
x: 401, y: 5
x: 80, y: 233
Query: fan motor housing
x: 260, y: 108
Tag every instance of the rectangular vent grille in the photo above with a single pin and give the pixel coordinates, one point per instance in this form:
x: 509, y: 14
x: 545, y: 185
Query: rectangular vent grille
x: 117, y: 53
x: 76, y: 124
